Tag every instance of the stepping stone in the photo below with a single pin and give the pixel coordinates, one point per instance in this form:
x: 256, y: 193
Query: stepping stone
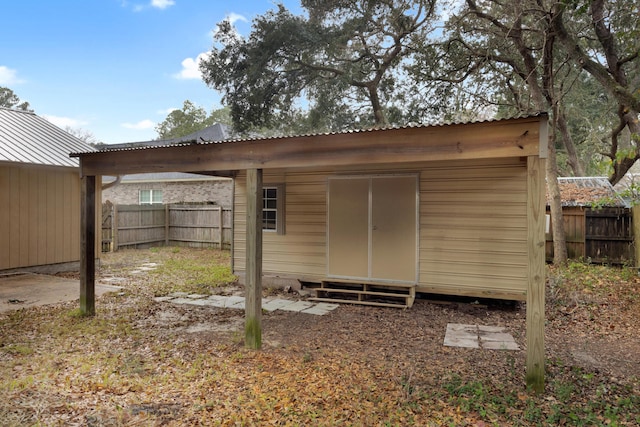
x: 474, y: 336
x: 196, y: 296
x: 217, y: 301
x: 297, y: 306
x: 234, y: 301
x: 320, y: 309
x: 275, y: 304
x: 162, y: 299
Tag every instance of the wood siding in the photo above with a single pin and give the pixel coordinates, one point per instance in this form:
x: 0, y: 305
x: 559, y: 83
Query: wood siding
x: 473, y: 219
x: 39, y: 216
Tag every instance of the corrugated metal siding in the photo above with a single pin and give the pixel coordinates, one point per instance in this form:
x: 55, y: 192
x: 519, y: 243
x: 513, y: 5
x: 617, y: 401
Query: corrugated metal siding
x: 473, y: 236
x: 302, y: 249
x: 39, y: 216
x: 472, y: 226
x: 28, y: 138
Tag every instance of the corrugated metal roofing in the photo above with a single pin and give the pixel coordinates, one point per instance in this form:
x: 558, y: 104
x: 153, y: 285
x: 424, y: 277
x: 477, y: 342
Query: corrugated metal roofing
x: 28, y: 138
x: 164, y: 176
x: 588, y: 190
x: 119, y: 147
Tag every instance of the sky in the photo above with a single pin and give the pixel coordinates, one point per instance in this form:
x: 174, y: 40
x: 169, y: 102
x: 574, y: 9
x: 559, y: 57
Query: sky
x: 115, y: 68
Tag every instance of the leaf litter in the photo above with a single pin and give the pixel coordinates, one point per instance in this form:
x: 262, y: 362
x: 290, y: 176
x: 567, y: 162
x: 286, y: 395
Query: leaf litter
x: 142, y: 362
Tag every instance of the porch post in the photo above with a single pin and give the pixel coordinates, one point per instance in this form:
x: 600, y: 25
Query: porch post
x: 88, y: 245
x: 253, y: 269
x: 536, y: 273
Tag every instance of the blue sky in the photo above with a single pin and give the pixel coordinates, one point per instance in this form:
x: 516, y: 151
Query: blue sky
x: 114, y: 67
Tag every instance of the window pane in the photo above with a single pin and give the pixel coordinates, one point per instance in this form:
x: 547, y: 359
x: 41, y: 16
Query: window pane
x: 156, y: 196
x: 145, y: 197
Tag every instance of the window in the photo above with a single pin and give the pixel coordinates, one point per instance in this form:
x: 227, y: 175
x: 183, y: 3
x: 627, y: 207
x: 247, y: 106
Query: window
x: 273, y: 208
x: 150, y: 197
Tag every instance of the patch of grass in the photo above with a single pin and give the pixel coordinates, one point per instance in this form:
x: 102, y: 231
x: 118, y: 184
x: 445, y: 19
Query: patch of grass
x: 200, y: 274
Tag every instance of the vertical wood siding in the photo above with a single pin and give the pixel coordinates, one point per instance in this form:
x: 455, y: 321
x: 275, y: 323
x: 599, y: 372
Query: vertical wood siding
x: 39, y: 216
x: 472, y: 226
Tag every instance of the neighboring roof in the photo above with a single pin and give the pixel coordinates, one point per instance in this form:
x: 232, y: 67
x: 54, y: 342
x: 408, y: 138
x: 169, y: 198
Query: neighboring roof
x: 204, y: 141
x: 164, y: 176
x: 28, y: 138
x: 587, y: 191
x: 215, y: 132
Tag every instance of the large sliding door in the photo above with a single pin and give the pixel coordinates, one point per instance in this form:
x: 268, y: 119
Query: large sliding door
x: 373, y: 228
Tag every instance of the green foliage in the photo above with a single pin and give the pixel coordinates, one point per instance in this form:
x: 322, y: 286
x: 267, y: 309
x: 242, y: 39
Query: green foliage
x: 189, y: 119
x: 9, y: 99
x: 338, y: 65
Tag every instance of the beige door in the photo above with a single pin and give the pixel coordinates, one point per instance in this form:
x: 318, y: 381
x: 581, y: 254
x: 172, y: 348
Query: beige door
x: 373, y: 228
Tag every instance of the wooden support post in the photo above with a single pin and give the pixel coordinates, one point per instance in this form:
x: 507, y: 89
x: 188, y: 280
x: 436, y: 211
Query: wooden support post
x: 535, y: 273
x: 253, y: 269
x: 88, y: 245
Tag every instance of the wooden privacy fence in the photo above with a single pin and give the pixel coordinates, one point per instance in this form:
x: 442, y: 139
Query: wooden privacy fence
x: 602, y: 235
x: 175, y: 224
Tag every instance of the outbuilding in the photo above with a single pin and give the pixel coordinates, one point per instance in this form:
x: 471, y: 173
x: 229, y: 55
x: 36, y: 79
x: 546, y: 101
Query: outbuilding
x: 39, y: 194
x: 455, y: 209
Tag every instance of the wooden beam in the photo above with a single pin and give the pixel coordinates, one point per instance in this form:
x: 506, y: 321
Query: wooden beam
x: 88, y: 245
x: 499, y: 139
x: 535, y: 273
x: 253, y: 280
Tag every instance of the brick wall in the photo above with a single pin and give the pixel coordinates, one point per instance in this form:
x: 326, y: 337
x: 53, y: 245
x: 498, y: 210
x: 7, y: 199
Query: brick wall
x: 218, y: 192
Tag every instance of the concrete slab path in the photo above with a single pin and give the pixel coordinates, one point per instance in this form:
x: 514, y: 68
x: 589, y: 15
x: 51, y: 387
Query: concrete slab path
x: 29, y: 290
x: 237, y: 302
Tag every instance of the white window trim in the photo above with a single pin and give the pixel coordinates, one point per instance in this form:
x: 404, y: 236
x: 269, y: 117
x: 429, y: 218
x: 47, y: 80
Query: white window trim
x: 280, y: 204
x: 150, y: 202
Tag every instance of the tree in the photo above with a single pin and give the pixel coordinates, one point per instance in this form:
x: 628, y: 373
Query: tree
x: 9, y: 99
x: 85, y: 135
x: 607, y: 46
x: 189, y: 119
x: 341, y: 62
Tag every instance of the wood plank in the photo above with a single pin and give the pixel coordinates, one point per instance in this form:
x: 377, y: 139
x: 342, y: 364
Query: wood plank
x: 253, y: 278
x: 88, y: 245
x: 348, y: 301
x: 508, y: 138
x: 535, y: 318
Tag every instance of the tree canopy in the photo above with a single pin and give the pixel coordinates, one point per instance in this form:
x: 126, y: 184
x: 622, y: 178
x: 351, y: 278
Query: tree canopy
x: 342, y: 63
x: 9, y: 99
x: 189, y: 119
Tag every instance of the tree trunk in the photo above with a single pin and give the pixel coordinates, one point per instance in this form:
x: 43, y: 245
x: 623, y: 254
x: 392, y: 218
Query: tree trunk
x: 555, y: 203
x: 574, y: 162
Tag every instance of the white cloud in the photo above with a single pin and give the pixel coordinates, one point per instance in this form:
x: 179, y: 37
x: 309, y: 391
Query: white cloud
x: 8, y: 76
x: 64, y: 122
x: 162, y: 4
x: 235, y: 17
x: 141, y: 125
x: 190, y: 67
x: 167, y: 111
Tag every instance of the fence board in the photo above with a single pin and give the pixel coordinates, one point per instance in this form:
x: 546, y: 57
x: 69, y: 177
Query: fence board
x: 182, y: 225
x: 603, y: 235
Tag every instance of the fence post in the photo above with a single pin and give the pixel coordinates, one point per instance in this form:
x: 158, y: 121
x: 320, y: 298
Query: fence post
x: 220, y: 229
x: 635, y: 221
x: 166, y: 224
x: 114, y: 226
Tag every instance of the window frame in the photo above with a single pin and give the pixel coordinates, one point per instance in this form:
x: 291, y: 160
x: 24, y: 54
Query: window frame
x: 151, y: 200
x: 279, y: 208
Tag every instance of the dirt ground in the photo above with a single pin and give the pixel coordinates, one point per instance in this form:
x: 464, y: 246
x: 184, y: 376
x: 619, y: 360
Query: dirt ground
x: 591, y: 339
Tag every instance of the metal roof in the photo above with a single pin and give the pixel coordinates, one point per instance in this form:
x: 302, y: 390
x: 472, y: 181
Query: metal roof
x: 185, y: 142
x: 163, y: 177
x: 28, y: 138
x: 587, y: 191
x: 215, y: 132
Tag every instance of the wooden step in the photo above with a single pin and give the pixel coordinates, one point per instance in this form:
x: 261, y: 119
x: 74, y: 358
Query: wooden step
x: 379, y: 294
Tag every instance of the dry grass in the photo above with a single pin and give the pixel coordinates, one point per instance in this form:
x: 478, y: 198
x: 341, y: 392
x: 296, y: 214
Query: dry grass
x: 137, y: 363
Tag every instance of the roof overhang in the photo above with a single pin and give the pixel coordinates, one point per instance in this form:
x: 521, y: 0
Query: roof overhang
x: 519, y: 137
